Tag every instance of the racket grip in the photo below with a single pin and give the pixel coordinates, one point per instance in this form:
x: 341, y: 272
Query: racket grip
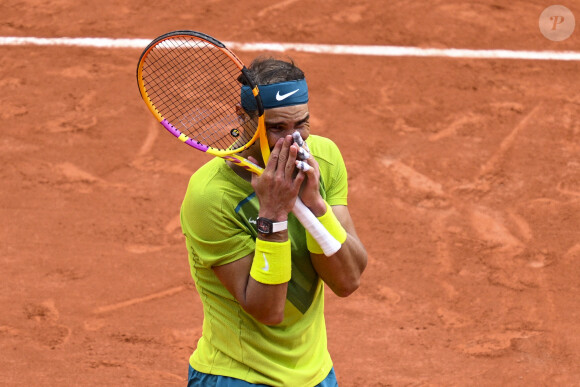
x: 327, y: 242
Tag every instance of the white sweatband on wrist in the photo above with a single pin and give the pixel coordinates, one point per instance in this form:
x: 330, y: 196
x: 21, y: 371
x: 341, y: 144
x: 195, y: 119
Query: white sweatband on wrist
x: 332, y: 225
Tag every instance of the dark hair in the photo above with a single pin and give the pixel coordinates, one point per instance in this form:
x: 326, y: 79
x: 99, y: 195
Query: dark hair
x: 266, y: 70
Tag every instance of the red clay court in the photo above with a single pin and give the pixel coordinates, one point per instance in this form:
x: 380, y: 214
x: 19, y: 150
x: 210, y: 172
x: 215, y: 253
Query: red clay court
x: 464, y: 186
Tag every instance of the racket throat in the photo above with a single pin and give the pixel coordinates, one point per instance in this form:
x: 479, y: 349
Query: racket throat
x: 264, y: 146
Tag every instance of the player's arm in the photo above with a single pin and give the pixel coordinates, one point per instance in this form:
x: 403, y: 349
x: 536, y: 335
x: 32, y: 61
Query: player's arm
x: 259, y: 281
x: 264, y: 302
x: 342, y: 271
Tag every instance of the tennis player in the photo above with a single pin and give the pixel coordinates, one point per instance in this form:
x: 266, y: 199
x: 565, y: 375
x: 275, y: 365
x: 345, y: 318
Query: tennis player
x: 259, y: 274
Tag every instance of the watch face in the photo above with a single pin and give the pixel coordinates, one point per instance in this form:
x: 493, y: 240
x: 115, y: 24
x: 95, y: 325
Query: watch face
x: 264, y: 226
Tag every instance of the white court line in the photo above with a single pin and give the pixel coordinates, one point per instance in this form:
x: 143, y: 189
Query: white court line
x: 396, y: 51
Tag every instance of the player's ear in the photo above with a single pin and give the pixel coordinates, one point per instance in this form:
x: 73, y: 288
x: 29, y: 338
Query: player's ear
x: 244, y: 115
x: 241, y: 113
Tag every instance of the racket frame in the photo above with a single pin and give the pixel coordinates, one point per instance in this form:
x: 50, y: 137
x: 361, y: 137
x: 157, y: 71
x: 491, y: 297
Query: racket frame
x: 326, y: 241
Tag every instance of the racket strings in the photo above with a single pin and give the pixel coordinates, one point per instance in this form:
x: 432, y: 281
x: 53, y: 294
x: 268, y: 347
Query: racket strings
x: 185, y: 117
x: 193, y: 85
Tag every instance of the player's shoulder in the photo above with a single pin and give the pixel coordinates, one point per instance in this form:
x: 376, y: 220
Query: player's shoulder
x: 215, y: 184
x: 317, y: 142
x: 206, y: 182
x: 206, y: 173
x: 323, y: 148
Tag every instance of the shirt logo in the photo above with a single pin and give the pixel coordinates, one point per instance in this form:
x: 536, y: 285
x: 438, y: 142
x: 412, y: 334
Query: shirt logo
x: 267, y: 265
x: 284, y: 96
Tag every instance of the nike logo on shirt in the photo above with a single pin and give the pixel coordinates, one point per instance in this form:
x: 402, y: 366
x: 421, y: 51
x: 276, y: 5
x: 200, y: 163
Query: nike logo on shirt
x: 284, y: 96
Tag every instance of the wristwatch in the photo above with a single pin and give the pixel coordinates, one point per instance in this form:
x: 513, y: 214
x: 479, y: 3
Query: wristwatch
x: 268, y: 226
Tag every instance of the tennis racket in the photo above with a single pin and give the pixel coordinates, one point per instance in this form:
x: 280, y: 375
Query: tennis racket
x: 191, y: 83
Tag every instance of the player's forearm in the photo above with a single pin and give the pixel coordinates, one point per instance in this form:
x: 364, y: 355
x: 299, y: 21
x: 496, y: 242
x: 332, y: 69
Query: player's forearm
x: 271, y: 269
x: 265, y: 302
x: 343, y: 270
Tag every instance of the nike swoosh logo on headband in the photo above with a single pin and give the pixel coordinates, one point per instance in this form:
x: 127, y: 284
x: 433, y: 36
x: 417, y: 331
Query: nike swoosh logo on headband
x: 284, y: 96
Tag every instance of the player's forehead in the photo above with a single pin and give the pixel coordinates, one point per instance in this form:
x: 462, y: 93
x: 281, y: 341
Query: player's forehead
x: 286, y: 114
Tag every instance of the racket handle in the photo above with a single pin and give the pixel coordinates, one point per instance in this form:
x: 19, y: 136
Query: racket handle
x: 326, y: 241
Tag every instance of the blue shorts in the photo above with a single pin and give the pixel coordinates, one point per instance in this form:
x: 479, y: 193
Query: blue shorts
x: 199, y: 379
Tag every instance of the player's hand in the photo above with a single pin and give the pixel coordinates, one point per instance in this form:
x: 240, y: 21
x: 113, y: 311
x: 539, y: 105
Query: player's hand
x: 278, y: 186
x: 310, y: 190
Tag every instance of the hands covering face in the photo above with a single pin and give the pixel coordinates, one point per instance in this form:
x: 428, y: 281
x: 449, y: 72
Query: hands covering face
x: 290, y: 172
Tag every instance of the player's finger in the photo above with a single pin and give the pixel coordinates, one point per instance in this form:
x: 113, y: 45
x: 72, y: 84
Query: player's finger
x: 301, y: 143
x: 298, y: 138
x: 291, y: 163
x: 304, y: 166
x: 303, y: 154
x: 284, y: 155
x: 311, y: 162
x: 275, y: 155
x: 298, y: 180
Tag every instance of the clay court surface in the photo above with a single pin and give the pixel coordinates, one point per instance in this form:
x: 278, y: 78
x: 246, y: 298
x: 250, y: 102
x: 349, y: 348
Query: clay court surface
x: 464, y: 187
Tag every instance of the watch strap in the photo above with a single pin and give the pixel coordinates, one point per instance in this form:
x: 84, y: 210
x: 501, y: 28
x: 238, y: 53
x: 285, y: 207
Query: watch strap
x: 279, y: 226
x: 268, y: 226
